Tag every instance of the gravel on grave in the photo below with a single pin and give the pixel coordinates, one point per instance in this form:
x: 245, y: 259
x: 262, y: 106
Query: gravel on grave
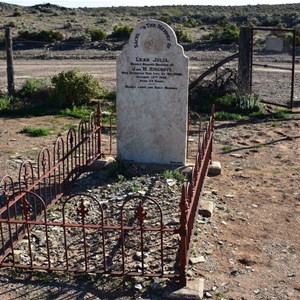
x: 112, y: 194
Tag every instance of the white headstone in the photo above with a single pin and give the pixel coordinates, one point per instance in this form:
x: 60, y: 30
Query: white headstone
x: 152, y: 96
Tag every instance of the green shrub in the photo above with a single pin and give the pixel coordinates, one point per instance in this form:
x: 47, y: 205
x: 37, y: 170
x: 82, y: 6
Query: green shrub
x: 234, y: 103
x: 102, y: 20
x: 75, y: 88
x: 17, y: 13
x: 247, y: 104
x: 35, y: 91
x: 48, y: 36
x: 5, y: 101
x: 230, y: 33
x: 30, y: 87
x: 81, y: 39
x: 183, y: 36
x: 11, y: 24
x: 227, y: 33
x: 96, y: 34
x: 280, y: 113
x: 166, y: 19
x: 121, y: 32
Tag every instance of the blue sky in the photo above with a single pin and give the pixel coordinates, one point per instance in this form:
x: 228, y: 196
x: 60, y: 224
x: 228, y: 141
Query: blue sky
x: 109, y: 3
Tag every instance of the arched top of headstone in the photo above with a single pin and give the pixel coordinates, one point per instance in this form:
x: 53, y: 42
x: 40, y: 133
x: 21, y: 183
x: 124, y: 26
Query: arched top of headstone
x: 153, y: 36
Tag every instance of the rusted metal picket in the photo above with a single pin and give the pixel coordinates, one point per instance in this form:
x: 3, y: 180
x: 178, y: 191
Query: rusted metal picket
x: 190, y: 197
x: 77, y: 234
x: 54, y: 171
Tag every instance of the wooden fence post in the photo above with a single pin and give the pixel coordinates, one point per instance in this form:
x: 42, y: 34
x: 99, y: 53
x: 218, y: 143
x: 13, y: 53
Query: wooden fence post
x: 9, y: 59
x: 244, y: 73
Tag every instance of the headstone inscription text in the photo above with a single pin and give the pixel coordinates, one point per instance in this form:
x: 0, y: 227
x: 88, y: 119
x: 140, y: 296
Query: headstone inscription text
x: 152, y: 89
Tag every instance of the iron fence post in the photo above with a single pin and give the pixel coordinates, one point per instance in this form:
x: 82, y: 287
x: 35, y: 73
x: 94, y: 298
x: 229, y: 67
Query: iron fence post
x: 98, y: 130
x: 184, y: 207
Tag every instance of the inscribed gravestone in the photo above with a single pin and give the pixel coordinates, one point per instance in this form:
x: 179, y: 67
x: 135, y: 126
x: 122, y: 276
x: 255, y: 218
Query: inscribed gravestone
x: 152, y: 93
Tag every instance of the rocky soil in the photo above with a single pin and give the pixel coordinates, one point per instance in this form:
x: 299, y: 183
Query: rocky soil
x: 248, y: 249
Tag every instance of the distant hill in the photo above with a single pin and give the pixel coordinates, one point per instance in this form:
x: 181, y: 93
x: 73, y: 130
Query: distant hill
x: 192, y: 22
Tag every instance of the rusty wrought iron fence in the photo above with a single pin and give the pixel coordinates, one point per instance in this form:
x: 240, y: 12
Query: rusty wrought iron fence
x: 77, y: 234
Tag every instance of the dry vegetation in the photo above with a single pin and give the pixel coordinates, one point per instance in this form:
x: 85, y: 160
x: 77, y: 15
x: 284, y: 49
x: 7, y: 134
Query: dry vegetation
x: 194, y: 22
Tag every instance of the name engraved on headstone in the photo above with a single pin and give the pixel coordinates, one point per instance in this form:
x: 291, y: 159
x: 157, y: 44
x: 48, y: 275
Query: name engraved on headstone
x: 151, y: 73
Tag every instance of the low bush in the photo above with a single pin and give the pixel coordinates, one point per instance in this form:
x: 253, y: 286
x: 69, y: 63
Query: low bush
x: 102, y: 20
x: 48, y: 36
x: 96, y: 34
x: 183, y: 36
x: 121, y: 32
x: 241, y: 104
x: 17, y: 13
x: 5, y: 102
x: 226, y: 32
x: 35, y: 92
x: 75, y: 88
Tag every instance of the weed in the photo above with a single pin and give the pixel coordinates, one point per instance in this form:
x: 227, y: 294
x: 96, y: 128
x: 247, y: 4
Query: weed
x: 35, y: 131
x: 174, y: 174
x: 137, y: 186
x: 248, y: 103
x: 280, y: 113
x: 120, y: 178
x: 258, y: 115
x: 259, y: 146
x: 275, y: 124
x: 222, y: 116
x: 41, y: 276
x: 227, y: 148
x: 81, y: 112
x: 242, y: 104
x: 197, y: 231
x: 16, y: 272
x: 5, y: 102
